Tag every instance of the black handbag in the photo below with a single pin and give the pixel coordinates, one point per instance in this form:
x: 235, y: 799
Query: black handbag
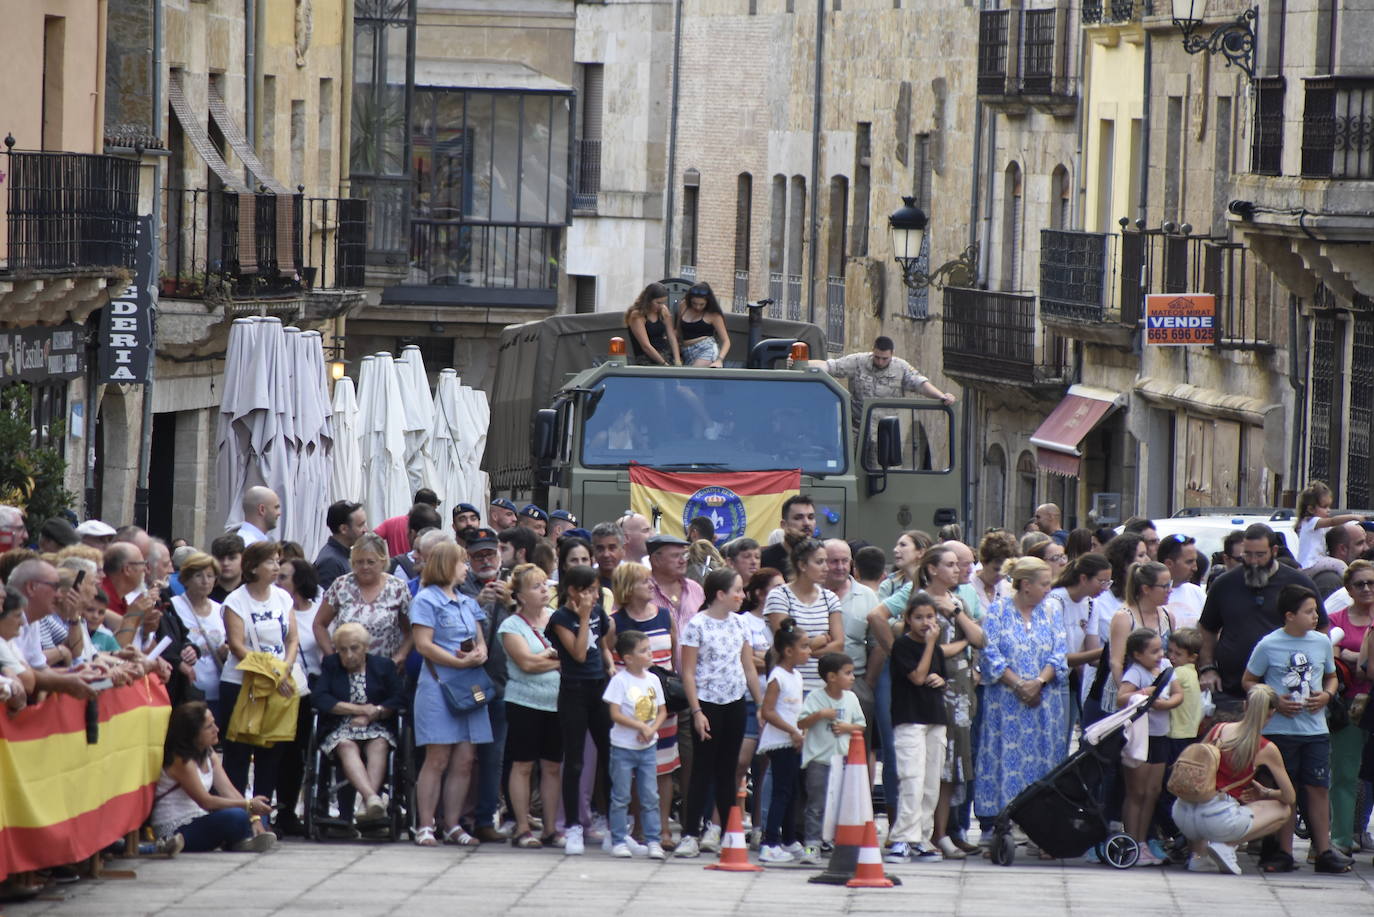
x: 674, y: 694
x: 464, y: 699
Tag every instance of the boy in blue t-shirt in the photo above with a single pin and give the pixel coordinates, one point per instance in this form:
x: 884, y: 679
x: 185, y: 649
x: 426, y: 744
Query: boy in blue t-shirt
x: 1296, y: 661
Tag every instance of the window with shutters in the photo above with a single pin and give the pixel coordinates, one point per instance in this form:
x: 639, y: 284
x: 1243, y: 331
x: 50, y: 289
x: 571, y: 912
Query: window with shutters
x: 691, y: 185
x: 1011, y: 227
x: 588, y: 148
x: 863, y: 154
x: 777, y: 244
x: 584, y: 294
x: 1357, y: 488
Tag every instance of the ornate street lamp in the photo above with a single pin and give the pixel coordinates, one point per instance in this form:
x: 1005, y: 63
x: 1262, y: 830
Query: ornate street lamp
x: 908, y: 227
x: 1235, y: 40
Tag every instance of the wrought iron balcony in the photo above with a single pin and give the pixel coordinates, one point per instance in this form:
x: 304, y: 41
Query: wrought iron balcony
x: 1079, y: 279
x: 794, y: 297
x: 740, y: 297
x: 775, y: 293
x: 992, y: 336
x: 993, y: 29
x: 1023, y: 60
x: 68, y: 213
x: 224, y: 246
x: 1338, y: 127
x: 523, y: 260
x: 834, y: 313
x: 1112, y: 12
x: 588, y: 176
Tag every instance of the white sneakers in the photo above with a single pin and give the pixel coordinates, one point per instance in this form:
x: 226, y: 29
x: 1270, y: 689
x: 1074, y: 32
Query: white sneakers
x: 572, y: 845
x: 1224, y: 855
x: 688, y: 847
x: 656, y: 851
x: 622, y: 851
x: 710, y: 839
x: 773, y: 854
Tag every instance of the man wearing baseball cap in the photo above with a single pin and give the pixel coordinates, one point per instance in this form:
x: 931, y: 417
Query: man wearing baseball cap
x: 501, y: 514
x: 535, y: 519
x: 465, y: 519
x: 484, y: 584
x: 56, y: 534
x: 560, y: 520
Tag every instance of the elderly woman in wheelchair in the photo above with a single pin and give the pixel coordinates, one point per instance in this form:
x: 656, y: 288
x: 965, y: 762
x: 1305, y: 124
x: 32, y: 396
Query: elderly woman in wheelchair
x: 358, y: 696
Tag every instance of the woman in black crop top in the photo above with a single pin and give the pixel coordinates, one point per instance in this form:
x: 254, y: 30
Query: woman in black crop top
x: 701, y: 326
x: 650, y: 324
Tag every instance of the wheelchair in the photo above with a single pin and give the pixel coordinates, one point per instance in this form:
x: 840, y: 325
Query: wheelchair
x: 325, y: 782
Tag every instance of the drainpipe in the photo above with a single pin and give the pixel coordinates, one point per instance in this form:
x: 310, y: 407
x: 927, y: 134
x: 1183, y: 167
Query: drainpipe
x: 985, y: 250
x: 1144, y: 141
x: 250, y: 67
x: 814, y: 217
x: 972, y: 465
x: 669, y: 199
x: 145, y: 444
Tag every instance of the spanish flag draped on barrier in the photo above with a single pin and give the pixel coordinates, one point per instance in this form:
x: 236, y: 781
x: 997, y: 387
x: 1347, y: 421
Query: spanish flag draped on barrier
x: 739, y: 503
x: 62, y: 799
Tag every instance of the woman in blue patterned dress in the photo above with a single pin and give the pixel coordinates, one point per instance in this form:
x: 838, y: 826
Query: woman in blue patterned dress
x: 1024, y: 732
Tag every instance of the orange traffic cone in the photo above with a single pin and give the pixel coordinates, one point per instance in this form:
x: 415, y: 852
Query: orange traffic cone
x: 734, y: 850
x: 856, y: 860
x: 868, y: 872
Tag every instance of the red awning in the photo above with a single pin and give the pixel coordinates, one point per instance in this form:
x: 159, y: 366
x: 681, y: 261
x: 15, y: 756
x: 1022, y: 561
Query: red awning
x: 1057, y: 439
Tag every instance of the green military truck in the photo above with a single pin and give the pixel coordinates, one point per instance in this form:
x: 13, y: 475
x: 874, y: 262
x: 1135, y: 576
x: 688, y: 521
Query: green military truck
x: 568, y: 418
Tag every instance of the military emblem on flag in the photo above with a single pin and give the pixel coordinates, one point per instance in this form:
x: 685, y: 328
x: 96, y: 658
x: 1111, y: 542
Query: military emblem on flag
x: 738, y: 503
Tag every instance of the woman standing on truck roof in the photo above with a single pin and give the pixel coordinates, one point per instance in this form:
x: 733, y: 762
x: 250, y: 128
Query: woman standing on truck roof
x: 650, y: 324
x: 701, y: 325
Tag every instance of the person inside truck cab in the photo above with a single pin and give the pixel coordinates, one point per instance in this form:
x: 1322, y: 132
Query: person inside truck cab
x: 650, y: 323
x: 701, y: 326
x: 879, y: 374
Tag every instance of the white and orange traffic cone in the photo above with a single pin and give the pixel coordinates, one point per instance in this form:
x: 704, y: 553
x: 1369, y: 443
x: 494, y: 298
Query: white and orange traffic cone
x: 856, y: 860
x: 734, y: 849
x: 868, y: 872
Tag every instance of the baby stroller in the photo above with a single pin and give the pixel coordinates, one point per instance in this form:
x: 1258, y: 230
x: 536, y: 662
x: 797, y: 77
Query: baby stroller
x: 1061, y: 812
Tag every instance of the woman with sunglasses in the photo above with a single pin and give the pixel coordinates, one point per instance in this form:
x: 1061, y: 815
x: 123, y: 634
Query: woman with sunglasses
x: 701, y: 328
x: 1349, y: 821
x: 1179, y: 553
x: 1147, y: 592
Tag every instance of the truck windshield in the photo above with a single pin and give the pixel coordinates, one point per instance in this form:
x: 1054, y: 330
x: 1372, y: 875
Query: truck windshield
x: 724, y: 424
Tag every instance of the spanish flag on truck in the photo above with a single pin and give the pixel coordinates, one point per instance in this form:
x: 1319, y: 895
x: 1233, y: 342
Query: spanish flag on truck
x: 738, y: 503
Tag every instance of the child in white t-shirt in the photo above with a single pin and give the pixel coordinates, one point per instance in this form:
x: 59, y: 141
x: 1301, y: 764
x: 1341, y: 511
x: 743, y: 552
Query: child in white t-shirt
x: 828, y: 717
x: 636, y: 701
x: 1145, y: 653
x: 1314, y: 518
x: 782, y: 741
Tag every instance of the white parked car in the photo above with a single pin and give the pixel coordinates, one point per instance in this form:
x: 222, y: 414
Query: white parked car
x: 1210, y: 528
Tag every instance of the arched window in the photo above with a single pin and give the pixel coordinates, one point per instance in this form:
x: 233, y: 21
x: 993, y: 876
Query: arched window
x: 1011, y: 227
x: 1060, y: 196
x: 1027, y: 498
x: 994, y: 487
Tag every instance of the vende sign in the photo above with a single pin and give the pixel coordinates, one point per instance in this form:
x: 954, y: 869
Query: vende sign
x: 126, y: 327
x: 1179, y: 319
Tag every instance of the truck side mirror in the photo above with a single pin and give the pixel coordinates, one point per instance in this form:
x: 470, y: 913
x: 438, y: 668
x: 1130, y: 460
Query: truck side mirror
x: 544, y: 443
x: 889, y: 442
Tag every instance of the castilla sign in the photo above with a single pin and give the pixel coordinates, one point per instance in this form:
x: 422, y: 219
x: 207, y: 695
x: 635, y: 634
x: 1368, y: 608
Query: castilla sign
x: 126, y: 326
x: 1178, y: 319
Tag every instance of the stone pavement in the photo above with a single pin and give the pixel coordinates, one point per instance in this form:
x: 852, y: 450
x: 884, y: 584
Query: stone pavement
x: 360, y: 880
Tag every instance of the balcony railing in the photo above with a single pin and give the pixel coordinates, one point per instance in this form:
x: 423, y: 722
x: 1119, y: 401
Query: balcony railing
x: 1043, y: 68
x: 68, y: 212
x: 588, y: 175
x: 214, y: 248
x: 794, y: 297
x: 834, y: 313
x: 992, y: 335
x: 775, y: 293
x: 740, y: 299
x: 492, y: 256
x: 1266, y: 144
x: 388, y: 212
x: 688, y: 272
x: 1338, y: 128
x: 1076, y: 274
x: 1098, y: 12
x: 993, y: 26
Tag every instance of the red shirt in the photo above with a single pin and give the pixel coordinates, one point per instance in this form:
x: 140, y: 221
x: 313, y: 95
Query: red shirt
x: 115, y: 598
x: 1226, y: 775
x: 396, y: 531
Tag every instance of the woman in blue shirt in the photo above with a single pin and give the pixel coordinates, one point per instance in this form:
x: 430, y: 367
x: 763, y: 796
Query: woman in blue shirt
x: 448, y: 635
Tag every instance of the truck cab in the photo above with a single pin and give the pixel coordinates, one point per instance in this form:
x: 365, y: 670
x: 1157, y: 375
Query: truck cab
x: 893, y: 468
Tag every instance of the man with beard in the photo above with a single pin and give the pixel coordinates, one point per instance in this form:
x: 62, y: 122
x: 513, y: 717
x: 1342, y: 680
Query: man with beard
x: 798, y: 524
x: 1241, y: 608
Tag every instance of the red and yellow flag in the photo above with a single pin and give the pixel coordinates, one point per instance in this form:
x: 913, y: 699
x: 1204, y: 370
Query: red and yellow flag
x: 61, y: 799
x: 747, y: 503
